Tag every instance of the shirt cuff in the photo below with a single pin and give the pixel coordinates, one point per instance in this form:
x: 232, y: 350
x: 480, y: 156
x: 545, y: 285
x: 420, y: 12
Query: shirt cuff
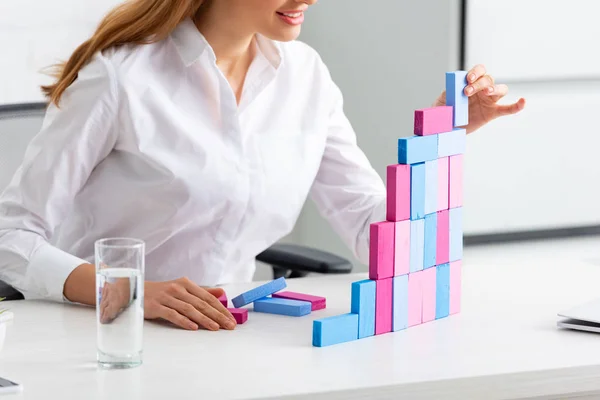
x: 49, y: 268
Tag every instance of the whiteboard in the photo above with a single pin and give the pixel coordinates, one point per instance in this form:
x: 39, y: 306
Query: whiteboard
x: 524, y: 40
x: 35, y: 34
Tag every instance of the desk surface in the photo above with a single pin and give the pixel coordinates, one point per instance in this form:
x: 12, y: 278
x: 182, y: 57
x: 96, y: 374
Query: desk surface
x: 504, y: 344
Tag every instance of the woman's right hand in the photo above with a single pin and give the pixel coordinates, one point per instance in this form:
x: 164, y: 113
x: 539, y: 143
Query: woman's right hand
x: 186, y: 305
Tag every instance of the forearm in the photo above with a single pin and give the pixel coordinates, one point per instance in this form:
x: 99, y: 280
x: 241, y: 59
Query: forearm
x: 80, y: 286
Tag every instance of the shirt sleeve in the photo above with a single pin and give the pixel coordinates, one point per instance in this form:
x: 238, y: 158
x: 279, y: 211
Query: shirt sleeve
x: 348, y: 192
x: 73, y: 139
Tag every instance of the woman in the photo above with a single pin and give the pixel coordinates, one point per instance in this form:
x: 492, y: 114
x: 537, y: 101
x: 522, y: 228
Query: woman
x: 199, y: 127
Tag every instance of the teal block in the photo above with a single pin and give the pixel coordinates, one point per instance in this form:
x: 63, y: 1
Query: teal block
x: 334, y: 330
x: 400, y: 303
x: 456, y: 82
x: 456, y: 234
x: 417, y: 149
x: 417, y: 245
x: 431, y: 186
x: 363, y: 304
x: 452, y: 143
x: 430, y: 241
x: 292, y: 308
x: 442, y: 291
x: 417, y: 191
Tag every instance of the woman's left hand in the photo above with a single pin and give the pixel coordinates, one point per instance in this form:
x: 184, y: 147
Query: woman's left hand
x: 484, y: 95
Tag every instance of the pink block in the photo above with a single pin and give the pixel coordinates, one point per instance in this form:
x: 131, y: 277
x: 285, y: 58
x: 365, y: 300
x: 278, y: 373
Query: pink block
x: 442, y: 248
x: 434, y: 120
x: 318, y: 303
x: 456, y: 181
x: 402, y: 251
x: 398, y: 192
x: 384, y: 296
x: 223, y: 299
x: 429, y: 288
x: 240, y: 314
x: 415, y: 298
x: 455, y: 286
x: 443, y: 183
x: 381, y: 255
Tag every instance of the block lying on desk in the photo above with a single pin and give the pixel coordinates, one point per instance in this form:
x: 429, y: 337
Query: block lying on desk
x: 381, y: 253
x: 402, y: 248
x: 417, y: 190
x: 240, y: 314
x: 443, y: 183
x: 383, y: 305
x: 430, y: 240
x: 398, y: 192
x: 223, y: 299
x: 415, y: 299
x: 430, y: 121
x: 363, y: 304
x: 452, y: 143
x: 455, y: 183
x: 417, y: 245
x: 259, y: 292
x: 432, y: 171
x: 442, y: 308
x: 292, y: 308
x: 456, y: 234
x: 317, y: 302
x: 417, y: 149
x: 428, y: 282
x: 456, y: 82
x: 443, y: 238
x: 335, y: 330
x: 400, y: 306
x: 455, y: 286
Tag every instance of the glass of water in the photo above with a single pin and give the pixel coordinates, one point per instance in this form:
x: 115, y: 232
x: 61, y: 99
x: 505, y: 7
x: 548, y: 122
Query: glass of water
x: 119, y: 301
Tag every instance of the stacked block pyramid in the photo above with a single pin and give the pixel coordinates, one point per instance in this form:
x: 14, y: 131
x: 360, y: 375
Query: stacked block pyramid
x: 415, y: 255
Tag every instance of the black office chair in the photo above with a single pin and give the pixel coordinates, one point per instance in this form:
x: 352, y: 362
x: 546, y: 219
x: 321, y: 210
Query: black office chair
x: 20, y: 122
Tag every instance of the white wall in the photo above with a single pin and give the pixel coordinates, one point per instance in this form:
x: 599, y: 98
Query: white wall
x: 389, y: 57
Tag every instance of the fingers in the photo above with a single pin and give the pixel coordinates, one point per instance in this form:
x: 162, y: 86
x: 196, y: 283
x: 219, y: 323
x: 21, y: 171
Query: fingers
x: 190, y: 312
x: 498, y: 91
x: 512, y: 108
x: 475, y: 73
x: 176, y: 318
x: 207, y: 296
x: 481, y: 84
x: 208, y: 310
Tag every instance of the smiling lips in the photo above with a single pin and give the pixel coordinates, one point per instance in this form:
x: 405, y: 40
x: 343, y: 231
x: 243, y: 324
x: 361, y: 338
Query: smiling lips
x: 292, y: 17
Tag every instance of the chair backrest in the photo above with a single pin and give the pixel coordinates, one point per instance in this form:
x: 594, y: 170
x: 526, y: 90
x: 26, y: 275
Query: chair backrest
x: 19, y: 123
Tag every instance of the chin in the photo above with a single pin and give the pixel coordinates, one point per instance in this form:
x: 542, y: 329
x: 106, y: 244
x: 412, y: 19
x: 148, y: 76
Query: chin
x: 285, y: 35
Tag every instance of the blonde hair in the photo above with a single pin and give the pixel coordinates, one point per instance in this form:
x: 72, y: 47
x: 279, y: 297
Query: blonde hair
x: 133, y: 22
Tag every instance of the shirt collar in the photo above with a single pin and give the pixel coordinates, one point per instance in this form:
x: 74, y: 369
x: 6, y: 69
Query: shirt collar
x: 191, y: 44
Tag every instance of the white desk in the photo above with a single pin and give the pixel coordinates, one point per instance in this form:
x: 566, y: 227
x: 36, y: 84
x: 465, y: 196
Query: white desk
x: 503, y: 345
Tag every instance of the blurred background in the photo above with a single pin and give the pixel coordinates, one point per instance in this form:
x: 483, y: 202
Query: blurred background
x: 531, y: 176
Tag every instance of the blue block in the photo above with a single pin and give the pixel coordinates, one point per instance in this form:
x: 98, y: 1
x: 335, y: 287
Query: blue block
x: 456, y: 82
x: 363, y: 304
x: 417, y: 191
x: 417, y: 149
x: 431, y: 186
x: 452, y: 143
x: 400, y: 303
x: 334, y: 330
x: 456, y: 234
x: 292, y: 308
x: 259, y: 292
x: 417, y: 245
x: 430, y: 248
x: 442, y: 291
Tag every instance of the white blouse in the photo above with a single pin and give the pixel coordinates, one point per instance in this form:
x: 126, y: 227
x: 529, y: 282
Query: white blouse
x: 149, y: 142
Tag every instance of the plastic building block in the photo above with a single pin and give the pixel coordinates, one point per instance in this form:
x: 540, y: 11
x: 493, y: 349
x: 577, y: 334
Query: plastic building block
x: 429, y: 294
x: 415, y: 299
x: 455, y: 286
x: 292, y: 308
x: 432, y: 171
x: 443, y: 238
x: 456, y: 234
x: 417, y: 245
x: 400, y: 303
x: 383, y: 305
x: 434, y: 120
x: 442, y: 307
x: 455, y: 187
x: 240, y: 314
x: 259, y: 292
x: 223, y: 299
x: 456, y: 82
x: 443, y: 183
x: 402, y: 248
x: 430, y: 241
x: 334, y: 330
x: 417, y: 149
x: 363, y: 304
x: 417, y: 191
x: 398, y: 192
x: 452, y: 143
x: 381, y: 254
x: 317, y: 302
